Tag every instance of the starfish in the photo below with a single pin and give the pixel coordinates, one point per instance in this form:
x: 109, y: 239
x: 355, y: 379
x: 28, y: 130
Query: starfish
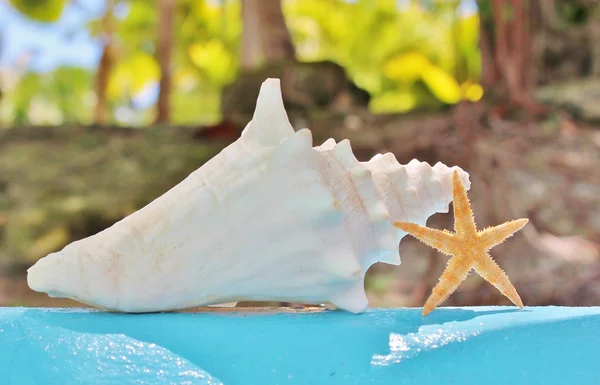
x: 468, y: 248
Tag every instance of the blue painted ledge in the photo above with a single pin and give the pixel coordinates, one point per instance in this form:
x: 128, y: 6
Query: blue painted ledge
x: 481, y: 345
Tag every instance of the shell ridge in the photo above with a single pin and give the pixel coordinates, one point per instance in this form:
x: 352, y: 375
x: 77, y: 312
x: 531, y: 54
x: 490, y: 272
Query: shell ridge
x: 380, y: 165
x: 386, y: 170
x: 423, y: 171
x: 339, y: 186
x: 359, y: 187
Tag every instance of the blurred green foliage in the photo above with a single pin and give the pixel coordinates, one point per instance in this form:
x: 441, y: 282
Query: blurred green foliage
x: 45, y: 11
x: 84, y: 181
x: 406, y: 57
x: 61, y: 96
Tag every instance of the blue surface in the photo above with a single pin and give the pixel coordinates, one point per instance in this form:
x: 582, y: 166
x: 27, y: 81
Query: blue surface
x: 483, y: 345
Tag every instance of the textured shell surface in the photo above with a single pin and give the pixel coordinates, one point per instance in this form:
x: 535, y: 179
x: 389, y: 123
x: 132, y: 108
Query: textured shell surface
x: 269, y: 218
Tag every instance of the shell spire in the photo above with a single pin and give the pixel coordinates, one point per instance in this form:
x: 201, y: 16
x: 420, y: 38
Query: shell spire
x: 271, y: 123
x: 269, y: 218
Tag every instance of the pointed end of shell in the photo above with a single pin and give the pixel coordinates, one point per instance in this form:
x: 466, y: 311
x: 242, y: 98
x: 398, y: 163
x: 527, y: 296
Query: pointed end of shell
x: 383, y: 161
x: 33, y: 277
x: 343, y: 153
x: 270, y: 123
x: 58, y: 275
x: 327, y: 145
x: 269, y: 98
x: 42, y: 276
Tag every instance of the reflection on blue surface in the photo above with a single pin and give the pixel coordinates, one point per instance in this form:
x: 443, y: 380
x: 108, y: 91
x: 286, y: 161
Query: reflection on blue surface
x: 486, y: 345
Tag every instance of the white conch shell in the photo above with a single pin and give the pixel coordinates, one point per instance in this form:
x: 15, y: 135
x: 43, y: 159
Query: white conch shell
x: 270, y: 218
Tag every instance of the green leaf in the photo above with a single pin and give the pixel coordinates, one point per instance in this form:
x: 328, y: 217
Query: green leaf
x: 44, y: 11
x: 395, y: 101
x: 213, y: 59
x: 132, y: 74
x: 406, y: 68
x: 442, y: 84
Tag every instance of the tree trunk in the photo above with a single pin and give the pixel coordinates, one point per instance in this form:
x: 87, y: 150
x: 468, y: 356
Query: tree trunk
x: 265, y: 37
x: 166, y: 10
x: 507, y: 46
x: 251, y: 45
x: 105, y: 65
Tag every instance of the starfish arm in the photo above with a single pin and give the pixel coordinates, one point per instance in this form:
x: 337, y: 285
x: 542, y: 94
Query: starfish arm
x: 491, y: 272
x: 457, y: 270
x: 493, y: 236
x: 440, y: 240
x: 464, y: 222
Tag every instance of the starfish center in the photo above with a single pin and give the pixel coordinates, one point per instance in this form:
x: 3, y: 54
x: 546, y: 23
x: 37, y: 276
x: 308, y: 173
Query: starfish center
x: 468, y: 248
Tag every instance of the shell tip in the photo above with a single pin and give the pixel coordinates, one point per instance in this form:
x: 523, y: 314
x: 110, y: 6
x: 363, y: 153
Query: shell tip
x: 270, y: 123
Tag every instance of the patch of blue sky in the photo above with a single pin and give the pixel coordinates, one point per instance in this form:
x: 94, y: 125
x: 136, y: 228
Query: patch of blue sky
x: 66, y: 42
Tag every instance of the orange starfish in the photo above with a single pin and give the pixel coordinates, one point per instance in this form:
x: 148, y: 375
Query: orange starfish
x: 468, y: 247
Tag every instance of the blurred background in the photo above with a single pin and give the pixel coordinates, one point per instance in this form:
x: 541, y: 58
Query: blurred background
x: 107, y: 104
